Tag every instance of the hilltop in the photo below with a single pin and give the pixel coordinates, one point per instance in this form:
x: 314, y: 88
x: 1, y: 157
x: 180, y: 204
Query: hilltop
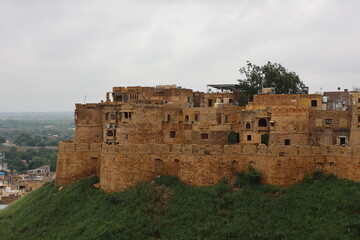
x: 320, y: 208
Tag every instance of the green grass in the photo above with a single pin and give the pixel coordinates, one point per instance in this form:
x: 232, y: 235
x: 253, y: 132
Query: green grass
x: 326, y: 208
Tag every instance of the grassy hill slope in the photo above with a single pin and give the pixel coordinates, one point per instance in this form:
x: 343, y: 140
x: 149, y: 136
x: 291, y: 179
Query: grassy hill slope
x: 325, y: 209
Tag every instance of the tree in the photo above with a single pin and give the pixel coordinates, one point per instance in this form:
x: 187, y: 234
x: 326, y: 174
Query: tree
x: 36, y: 162
x: 38, y: 140
x: 252, y: 82
x: 233, y: 138
x: 2, y: 139
x: 24, y: 139
x: 271, y: 75
x: 17, y: 165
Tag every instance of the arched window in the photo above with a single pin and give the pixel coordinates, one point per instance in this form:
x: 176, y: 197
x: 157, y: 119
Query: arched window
x: 247, y: 126
x: 186, y: 118
x: 262, y: 122
x: 110, y: 133
x: 358, y: 118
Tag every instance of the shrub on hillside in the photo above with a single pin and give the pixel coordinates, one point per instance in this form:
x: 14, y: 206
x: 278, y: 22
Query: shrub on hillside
x: 251, y: 177
x: 167, y: 180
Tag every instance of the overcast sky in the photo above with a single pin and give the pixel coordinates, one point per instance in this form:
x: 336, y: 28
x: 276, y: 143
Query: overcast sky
x: 52, y: 53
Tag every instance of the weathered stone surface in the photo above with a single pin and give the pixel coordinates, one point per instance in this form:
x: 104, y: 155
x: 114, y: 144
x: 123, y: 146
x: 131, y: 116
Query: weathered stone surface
x: 139, y: 133
x: 120, y: 170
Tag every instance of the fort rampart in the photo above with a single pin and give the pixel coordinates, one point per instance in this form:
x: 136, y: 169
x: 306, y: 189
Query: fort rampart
x: 123, y: 166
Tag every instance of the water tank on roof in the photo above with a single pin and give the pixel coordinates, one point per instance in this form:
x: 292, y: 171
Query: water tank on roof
x: 268, y: 91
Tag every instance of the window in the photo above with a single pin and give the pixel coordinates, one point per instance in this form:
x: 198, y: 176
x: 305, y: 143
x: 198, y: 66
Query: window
x: 196, y: 118
x: 247, y: 126
x: 341, y: 140
x: 358, y: 100
x: 107, y: 116
x: 168, y: 118
x: 204, y: 136
x: 127, y: 114
x: 226, y: 118
x: 287, y: 142
x: 265, y: 139
x: 358, y: 118
x: 110, y: 133
x: 328, y: 121
x: 112, y: 116
x: 248, y: 137
x: 188, y: 98
x: 314, y: 103
x: 332, y: 167
x: 126, y: 98
x: 172, y: 134
x: 262, y: 122
x: 118, y: 97
x: 186, y: 118
x: 158, y: 163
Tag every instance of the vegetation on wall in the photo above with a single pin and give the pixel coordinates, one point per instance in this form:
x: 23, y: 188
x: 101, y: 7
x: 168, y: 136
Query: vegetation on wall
x: 323, y: 208
x: 233, y: 138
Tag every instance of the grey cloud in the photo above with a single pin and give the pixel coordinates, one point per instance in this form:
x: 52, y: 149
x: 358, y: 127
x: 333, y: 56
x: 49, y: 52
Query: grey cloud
x: 52, y: 53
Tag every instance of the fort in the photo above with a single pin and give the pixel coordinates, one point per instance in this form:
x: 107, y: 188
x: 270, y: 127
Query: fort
x: 139, y: 133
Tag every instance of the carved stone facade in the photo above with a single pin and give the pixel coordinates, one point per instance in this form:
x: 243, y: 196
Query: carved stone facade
x: 138, y: 133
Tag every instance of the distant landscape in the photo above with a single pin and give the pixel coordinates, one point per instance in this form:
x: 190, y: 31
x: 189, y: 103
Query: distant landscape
x: 30, y: 139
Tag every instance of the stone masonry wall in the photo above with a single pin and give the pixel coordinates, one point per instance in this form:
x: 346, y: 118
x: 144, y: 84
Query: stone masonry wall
x: 77, y: 161
x: 120, y: 167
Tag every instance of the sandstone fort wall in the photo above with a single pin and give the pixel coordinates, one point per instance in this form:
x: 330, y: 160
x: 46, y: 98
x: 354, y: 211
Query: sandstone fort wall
x: 120, y: 167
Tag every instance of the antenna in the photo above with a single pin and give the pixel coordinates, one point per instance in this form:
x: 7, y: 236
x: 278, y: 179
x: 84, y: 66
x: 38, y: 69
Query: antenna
x: 85, y: 99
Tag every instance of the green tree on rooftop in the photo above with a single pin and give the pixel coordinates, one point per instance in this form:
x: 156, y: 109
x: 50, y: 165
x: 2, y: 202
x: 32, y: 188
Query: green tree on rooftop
x: 270, y: 75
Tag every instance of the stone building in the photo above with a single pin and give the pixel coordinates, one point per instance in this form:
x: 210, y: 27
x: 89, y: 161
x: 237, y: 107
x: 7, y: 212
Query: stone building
x: 138, y: 133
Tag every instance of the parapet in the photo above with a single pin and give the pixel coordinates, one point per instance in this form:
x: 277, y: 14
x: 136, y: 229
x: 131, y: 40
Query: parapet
x: 197, y: 149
